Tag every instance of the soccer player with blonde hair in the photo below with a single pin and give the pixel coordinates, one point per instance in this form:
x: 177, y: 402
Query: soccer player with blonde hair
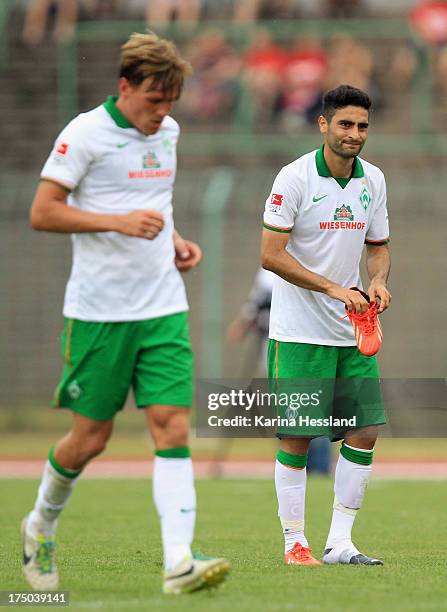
x: 109, y: 183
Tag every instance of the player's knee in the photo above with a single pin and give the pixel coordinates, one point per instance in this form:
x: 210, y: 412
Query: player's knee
x: 295, y: 446
x: 171, y: 429
x: 363, y: 438
x: 176, y: 438
x: 169, y: 418
x: 174, y: 434
x: 94, y: 445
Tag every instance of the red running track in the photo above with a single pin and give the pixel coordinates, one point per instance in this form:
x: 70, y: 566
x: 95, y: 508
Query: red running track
x: 123, y: 469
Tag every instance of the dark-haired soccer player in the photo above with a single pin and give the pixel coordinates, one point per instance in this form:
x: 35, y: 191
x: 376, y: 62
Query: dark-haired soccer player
x: 109, y: 183
x: 322, y: 209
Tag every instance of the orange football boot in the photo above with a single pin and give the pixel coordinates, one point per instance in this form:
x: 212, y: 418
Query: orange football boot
x: 300, y: 555
x: 367, y: 328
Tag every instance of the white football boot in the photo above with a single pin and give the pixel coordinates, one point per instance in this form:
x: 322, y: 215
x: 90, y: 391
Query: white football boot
x: 39, y: 566
x: 194, y: 574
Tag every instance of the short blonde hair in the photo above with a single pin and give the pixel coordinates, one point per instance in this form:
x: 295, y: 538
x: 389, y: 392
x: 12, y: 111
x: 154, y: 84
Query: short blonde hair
x: 148, y: 55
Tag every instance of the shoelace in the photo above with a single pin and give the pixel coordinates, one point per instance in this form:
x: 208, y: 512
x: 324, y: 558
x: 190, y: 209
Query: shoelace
x: 368, y: 320
x: 44, y: 556
x: 301, y: 553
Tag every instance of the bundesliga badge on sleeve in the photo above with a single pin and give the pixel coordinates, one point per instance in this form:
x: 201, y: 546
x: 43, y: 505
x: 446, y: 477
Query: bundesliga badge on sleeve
x: 367, y: 328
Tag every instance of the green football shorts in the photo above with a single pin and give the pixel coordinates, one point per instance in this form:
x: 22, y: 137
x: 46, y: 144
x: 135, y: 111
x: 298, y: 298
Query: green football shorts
x: 323, y: 390
x: 104, y: 360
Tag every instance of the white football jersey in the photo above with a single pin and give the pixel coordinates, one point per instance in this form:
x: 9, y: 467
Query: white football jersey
x: 110, y: 167
x: 329, y: 220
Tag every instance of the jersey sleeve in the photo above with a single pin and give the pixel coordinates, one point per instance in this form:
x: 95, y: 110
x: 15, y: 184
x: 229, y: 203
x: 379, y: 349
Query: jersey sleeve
x: 378, y: 231
x: 70, y: 158
x: 281, y: 206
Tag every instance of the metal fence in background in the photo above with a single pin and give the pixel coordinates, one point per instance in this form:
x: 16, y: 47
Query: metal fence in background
x: 222, y: 184
x: 35, y: 267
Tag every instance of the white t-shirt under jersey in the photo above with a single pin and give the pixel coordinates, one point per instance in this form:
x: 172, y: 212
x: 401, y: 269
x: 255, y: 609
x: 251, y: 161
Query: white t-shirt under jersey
x: 111, y: 167
x: 328, y: 227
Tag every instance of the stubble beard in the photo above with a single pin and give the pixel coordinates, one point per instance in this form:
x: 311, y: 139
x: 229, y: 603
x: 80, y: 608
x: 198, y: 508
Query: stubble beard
x: 337, y: 148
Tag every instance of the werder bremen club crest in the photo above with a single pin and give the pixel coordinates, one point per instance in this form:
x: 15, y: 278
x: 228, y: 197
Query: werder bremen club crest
x: 365, y: 198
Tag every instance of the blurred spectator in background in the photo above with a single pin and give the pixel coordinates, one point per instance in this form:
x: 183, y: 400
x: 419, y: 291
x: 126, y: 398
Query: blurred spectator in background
x: 212, y: 90
x: 263, y: 68
x: 402, y: 67
x: 65, y: 14
x: 350, y: 61
x: 160, y: 13
x: 429, y: 19
x: 303, y: 82
x: 102, y: 9
x: 345, y: 8
x: 37, y: 15
x: 441, y: 72
x: 248, y: 11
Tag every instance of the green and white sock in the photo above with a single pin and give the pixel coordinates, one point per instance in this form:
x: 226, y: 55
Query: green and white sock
x: 175, y: 499
x: 290, y: 484
x: 54, y: 491
x: 352, y: 475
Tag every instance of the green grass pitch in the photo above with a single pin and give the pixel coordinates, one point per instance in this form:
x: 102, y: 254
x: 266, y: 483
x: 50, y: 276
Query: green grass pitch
x: 109, y: 550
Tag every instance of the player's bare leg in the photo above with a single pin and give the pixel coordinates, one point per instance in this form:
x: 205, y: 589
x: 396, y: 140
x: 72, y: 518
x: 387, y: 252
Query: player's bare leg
x: 352, y: 475
x: 290, y: 483
x: 364, y: 438
x: 175, y: 500
x: 86, y: 439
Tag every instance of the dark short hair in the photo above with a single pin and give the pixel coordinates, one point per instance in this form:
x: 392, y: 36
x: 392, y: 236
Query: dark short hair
x: 341, y: 96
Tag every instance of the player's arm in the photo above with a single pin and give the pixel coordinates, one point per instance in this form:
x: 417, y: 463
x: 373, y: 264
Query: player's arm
x: 188, y: 254
x: 275, y: 258
x: 51, y: 213
x: 244, y: 321
x: 378, y: 264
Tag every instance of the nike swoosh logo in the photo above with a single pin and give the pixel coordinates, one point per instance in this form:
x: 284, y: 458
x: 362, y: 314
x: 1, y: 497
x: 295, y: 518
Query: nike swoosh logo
x: 186, y: 510
x: 190, y: 571
x: 316, y: 199
x: 26, y: 559
x: 122, y: 145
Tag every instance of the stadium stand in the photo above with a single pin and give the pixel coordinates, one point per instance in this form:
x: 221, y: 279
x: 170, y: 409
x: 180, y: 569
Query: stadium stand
x: 229, y: 147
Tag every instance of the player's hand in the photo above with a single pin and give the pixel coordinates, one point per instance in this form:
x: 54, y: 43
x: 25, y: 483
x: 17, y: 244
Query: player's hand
x: 353, y: 300
x: 188, y: 254
x: 378, y: 292
x: 142, y: 224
